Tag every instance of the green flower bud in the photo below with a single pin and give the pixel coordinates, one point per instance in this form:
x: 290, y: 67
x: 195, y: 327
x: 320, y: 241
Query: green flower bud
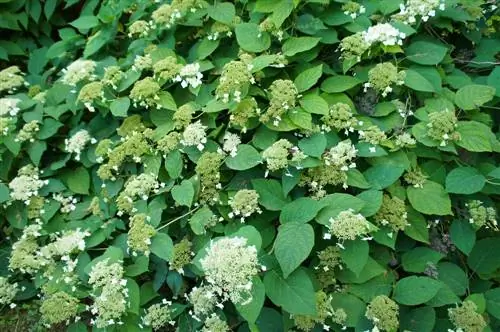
x: 323, y: 309
x: 215, y: 324
x: 158, y: 315
x: 7, y: 291
x: 166, y: 69
x: 58, y: 308
x: 182, y: 255
x: 480, y: 216
x: 145, y: 92
x: 392, y: 213
x: 282, y: 97
x: 207, y: 169
x: 442, y: 127
x: 339, y: 117
x: 235, y: 79
x: 244, y: 203
x: 28, y: 132
x: 140, y: 234
x: 415, y: 177
x: 383, y: 312
x: 347, y: 226
x: 383, y: 76
x: 183, y: 116
x: 466, y: 318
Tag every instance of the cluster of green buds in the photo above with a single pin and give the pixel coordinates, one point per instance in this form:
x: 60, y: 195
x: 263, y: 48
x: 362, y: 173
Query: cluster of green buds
x: 442, y: 127
x: 281, y: 154
x: 207, y: 168
x: 112, y: 76
x: 25, y: 255
x: 146, y: 93
x: 167, y: 15
x: 243, y: 112
x: 372, y: 135
x: 392, y: 213
x: 11, y: 79
x: 353, y: 46
x: 415, y: 177
x: 78, y: 71
x: 282, y: 97
x: 7, y: 292
x: 466, y: 318
x: 59, y: 307
x: 139, y: 28
x: 329, y: 259
x: 234, y: 81
x: 480, y: 215
x: 404, y: 140
x: 26, y: 184
x: 383, y: 312
x: 183, y: 116
x: 142, y: 62
x: 182, y: 255
x: 215, y: 324
x: 339, y: 117
x: 140, y: 234
x: 28, y: 132
x: 347, y: 225
x: 140, y: 186
x: 203, y: 299
x: 268, y: 26
x: 158, y: 315
x: 383, y: 76
x: 244, y: 203
x: 353, y: 9
x: 323, y: 311
x: 91, y: 92
x: 166, y: 69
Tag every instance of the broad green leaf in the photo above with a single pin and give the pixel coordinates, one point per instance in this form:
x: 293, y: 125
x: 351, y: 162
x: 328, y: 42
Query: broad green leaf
x: 355, y: 255
x: 494, y: 80
x: 454, y: 277
x: 174, y: 164
x: 246, y: 157
x: 415, y: 290
x: 271, y: 194
x: 300, y: 210
x: 293, y: 245
x: 371, y: 270
x: 417, y: 259
x: 119, y: 107
x: 162, y: 246
x: 463, y: 235
x: 464, y: 180
x: 223, y: 12
x: 251, y: 39
x: 294, y: 45
x: 200, y: 220
x: 250, y: 311
x: 78, y: 181
x: 294, y: 294
x: 183, y: 193
x: 473, y: 96
x: 339, y: 83
x: 314, y: 104
x: 353, y: 307
x: 373, y: 202
x: 475, y: 136
x: 417, y: 82
x: 431, y: 199
x: 251, y: 234
x: 383, y: 175
x: 336, y: 203
x: 492, y: 297
x: 418, y: 229
x: 85, y: 22
x: 426, y: 52
x: 308, y: 78
x: 380, y: 285
x: 484, y: 258
x: 419, y: 319
x: 313, y: 145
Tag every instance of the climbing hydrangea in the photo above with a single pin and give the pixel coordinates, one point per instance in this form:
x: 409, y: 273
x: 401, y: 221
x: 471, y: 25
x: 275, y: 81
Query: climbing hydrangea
x: 7, y: 291
x: 11, y: 79
x: 158, y: 315
x: 383, y: 76
x: 229, y: 266
x: 383, y: 312
x: 480, y: 215
x: 466, y: 318
x: 78, y: 71
x: 282, y: 97
x: 244, y: 203
x: 442, y: 127
x: 140, y: 234
x: 58, y: 308
x: 347, y: 226
x: 392, y: 213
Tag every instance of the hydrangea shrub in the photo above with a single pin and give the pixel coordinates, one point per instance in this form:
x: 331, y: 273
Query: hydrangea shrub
x: 250, y: 165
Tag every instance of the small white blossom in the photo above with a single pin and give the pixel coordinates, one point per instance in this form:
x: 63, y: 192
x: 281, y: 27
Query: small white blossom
x: 190, y: 75
x: 78, y: 71
x: 77, y: 142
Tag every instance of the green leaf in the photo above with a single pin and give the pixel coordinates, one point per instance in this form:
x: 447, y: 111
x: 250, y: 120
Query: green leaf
x: 294, y: 45
x: 484, y: 258
x: 79, y: 181
x: 49, y: 8
x: 162, y: 246
x: 314, y: 104
x: 420, y: 319
x: 251, y: 234
x: 85, y: 22
x: 200, y: 220
x: 313, y: 145
x: 174, y: 164
x: 246, y: 158
x: 417, y: 259
x: 464, y: 180
x: 426, y: 52
x: 336, y: 203
x: 417, y: 82
x: 119, y: 107
x: 494, y: 80
x: 418, y: 229
x: 294, y: 294
x: 463, y: 235
x: 300, y: 210
x: 223, y: 12
x: 415, y: 290
x: 371, y: 270
x: 383, y: 175
x: 472, y: 96
x: 475, y: 136
x: 431, y: 199
x: 251, y: 311
x: 134, y: 296
x: 293, y: 245
x: 4, y: 193
x: 454, y: 277
x: 373, y: 202
x: 353, y: 307
x: 306, y: 79
x: 493, y: 302
x: 271, y: 194
x: 183, y: 194
x: 339, y: 83
x: 355, y: 255
x: 247, y: 35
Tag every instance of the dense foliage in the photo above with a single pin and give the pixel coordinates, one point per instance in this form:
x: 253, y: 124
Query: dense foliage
x: 253, y: 165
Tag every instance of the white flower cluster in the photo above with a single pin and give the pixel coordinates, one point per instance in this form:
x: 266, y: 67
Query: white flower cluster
x: 67, y: 203
x: 142, y: 62
x: 111, y: 303
x: 231, y: 143
x: 385, y: 34
x: 26, y: 184
x: 7, y: 292
x: 203, y: 300
x: 77, y: 142
x: 195, y: 135
x: 405, y: 139
x: 67, y: 243
x: 347, y: 226
x: 341, y: 155
x: 8, y: 106
x: 78, y: 71
x: 423, y: 8
x: 190, y: 75
x: 229, y: 267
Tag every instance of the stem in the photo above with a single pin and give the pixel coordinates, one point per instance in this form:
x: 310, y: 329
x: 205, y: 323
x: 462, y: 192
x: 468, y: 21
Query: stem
x: 178, y: 218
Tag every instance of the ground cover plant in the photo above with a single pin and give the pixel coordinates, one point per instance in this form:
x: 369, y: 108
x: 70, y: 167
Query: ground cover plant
x: 252, y: 165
